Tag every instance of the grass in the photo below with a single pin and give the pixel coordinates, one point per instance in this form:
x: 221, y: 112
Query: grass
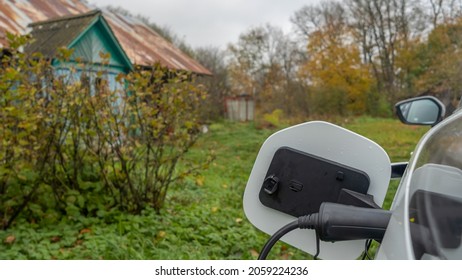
x: 202, y: 218
x: 397, y: 139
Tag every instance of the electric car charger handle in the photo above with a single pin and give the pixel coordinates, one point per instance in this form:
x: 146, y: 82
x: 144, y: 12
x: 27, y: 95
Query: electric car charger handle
x: 337, y: 222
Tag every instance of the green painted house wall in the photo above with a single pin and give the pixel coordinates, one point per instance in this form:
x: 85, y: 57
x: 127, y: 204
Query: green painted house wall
x: 88, y: 46
x: 88, y: 37
x: 94, y: 42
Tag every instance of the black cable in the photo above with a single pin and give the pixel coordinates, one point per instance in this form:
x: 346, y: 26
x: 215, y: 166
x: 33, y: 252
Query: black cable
x: 280, y: 233
x: 318, y: 245
x: 337, y: 222
x: 366, y: 249
x: 304, y: 222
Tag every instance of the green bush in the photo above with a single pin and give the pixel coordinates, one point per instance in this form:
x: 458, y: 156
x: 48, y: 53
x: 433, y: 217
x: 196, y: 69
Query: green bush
x: 273, y: 119
x: 68, y: 148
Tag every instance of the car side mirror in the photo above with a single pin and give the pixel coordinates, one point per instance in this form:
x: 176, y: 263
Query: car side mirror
x: 425, y: 110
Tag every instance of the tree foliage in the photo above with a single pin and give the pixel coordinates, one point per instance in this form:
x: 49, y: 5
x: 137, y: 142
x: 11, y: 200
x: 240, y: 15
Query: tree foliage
x: 216, y: 86
x: 263, y: 64
x: 388, y: 37
x: 439, y: 62
x: 334, y: 68
x: 350, y: 57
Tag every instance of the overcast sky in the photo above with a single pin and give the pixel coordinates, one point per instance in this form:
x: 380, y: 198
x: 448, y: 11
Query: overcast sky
x: 203, y: 23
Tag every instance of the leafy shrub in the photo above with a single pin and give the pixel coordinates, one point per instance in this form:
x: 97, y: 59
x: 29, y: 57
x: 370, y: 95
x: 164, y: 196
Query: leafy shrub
x: 70, y: 147
x: 273, y: 119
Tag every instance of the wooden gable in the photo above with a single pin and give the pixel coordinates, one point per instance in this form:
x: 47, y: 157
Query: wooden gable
x: 88, y: 35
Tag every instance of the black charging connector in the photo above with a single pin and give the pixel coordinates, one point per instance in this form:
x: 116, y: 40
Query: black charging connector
x: 337, y: 222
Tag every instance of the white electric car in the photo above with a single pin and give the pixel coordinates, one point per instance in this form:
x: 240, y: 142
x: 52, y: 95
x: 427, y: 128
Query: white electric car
x: 320, y: 187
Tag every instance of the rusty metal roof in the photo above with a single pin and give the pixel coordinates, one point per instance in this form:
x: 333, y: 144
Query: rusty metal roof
x: 142, y: 45
x: 145, y: 47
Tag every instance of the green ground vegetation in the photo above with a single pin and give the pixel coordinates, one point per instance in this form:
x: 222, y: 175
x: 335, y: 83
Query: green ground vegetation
x: 202, y: 217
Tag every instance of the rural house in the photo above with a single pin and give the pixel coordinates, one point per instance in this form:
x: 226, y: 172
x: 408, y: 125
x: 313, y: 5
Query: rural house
x: 129, y: 41
x: 89, y: 36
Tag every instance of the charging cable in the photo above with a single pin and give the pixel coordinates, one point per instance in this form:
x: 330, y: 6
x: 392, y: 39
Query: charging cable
x: 336, y: 222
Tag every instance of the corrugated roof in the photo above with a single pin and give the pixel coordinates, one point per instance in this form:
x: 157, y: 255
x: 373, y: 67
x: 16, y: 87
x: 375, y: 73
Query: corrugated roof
x: 141, y: 44
x: 16, y: 15
x: 52, y: 34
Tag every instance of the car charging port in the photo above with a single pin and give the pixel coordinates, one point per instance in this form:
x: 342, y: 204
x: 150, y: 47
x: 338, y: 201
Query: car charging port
x: 296, y: 183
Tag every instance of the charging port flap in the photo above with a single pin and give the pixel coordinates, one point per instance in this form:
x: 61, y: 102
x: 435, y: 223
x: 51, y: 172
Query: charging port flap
x: 297, y: 182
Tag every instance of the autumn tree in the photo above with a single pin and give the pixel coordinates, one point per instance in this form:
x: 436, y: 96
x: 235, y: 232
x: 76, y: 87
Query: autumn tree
x: 385, y: 32
x: 334, y: 68
x: 442, y: 11
x: 383, y: 28
x: 439, y: 63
